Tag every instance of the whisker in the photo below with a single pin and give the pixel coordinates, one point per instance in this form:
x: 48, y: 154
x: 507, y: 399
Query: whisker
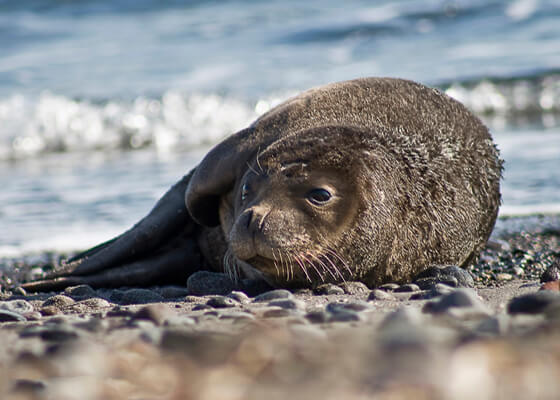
x: 322, y: 276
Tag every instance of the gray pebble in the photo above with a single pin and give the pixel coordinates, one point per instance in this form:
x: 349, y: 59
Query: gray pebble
x: 95, y: 302
x: 493, y: 326
x: 460, y: 298
x: 389, y: 287
x: 140, y: 296
x: 409, y: 287
x: 378, y: 294
x: 345, y: 307
x: 240, y: 297
x: 274, y: 295
x: 354, y: 288
x: 552, y: 273
x: 93, y: 325
x: 222, y: 302
x: 277, y: 313
x: 80, y: 292
x: 59, y: 334
x: 10, y: 316
x: 199, y: 307
x: 328, y: 289
x: 157, y: 313
x: 204, y: 283
x: 58, y: 301
x: 344, y: 316
x: 317, y: 317
x: 288, y: 304
x: 446, y: 274
x: 533, y: 303
x: 17, y: 306
x: 237, y: 315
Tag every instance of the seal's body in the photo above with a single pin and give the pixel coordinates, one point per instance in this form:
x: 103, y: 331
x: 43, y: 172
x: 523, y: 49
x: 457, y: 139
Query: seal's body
x: 372, y: 179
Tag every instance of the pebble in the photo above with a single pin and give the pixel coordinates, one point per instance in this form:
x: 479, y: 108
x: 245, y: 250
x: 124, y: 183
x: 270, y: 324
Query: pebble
x: 199, y: 307
x: 157, y: 313
x: 173, y: 292
x: 204, y: 283
x: 80, y: 292
x: 504, y: 276
x: 460, y: 298
x: 277, y: 313
x: 389, y: 287
x: 10, y: 316
x: 28, y: 387
x: 409, y: 287
x: 58, y: 301
x: 328, y: 289
x: 345, y: 316
x: 49, y: 310
x: 17, y: 306
x: 58, y: 333
x: 446, y: 274
x: 140, y: 296
x: 317, y: 317
x: 274, y: 295
x: 237, y: 315
x: 552, y: 273
x: 494, y: 325
x: 288, y: 304
x: 240, y: 297
x: 93, y: 325
x: 354, y: 288
x: 349, y: 306
x: 377, y: 294
x: 222, y: 302
x: 533, y: 303
x: 518, y: 271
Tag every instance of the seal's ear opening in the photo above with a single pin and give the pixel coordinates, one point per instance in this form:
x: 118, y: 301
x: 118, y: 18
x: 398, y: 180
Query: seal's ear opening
x: 215, y: 176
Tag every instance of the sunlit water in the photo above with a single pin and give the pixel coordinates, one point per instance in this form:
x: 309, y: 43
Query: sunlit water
x: 103, y: 105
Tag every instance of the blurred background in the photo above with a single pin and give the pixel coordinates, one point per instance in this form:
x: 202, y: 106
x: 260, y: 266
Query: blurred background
x: 105, y: 104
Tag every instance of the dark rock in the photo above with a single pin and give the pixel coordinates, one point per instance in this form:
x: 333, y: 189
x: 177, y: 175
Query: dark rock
x: 378, y: 294
x: 274, y: 295
x: 140, y: 296
x: 460, y: 298
x: 49, y: 310
x: 59, y: 301
x: 199, y: 307
x: 58, y: 334
x: 389, y: 287
x: 222, y: 302
x: 254, y: 287
x: 174, y: 292
x: 277, y: 313
x: 552, y: 273
x: 344, y: 316
x: 409, y: 287
x: 317, y: 317
x: 327, y: 289
x: 10, y: 316
x: 206, y: 348
x: 445, y: 274
x: 350, y: 306
x: 80, y: 292
x: 28, y: 387
x: 240, y: 297
x: 157, y: 313
x: 533, y: 303
x: 354, y: 288
x: 204, y: 283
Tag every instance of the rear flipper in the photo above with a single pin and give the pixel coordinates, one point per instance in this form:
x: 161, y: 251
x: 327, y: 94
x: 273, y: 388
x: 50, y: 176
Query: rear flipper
x: 160, y: 248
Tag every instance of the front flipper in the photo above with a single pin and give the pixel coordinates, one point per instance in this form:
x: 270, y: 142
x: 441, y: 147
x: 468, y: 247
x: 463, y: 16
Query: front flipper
x: 158, y: 248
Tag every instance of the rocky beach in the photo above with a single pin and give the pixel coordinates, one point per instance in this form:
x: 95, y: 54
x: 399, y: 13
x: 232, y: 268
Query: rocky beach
x: 490, y: 332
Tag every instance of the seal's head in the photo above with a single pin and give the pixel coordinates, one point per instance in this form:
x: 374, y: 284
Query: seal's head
x: 294, y: 206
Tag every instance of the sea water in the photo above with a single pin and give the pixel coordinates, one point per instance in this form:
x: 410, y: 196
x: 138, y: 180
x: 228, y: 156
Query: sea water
x: 105, y: 104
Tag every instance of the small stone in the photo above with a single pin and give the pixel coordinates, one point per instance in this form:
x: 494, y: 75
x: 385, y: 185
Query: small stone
x: 350, y: 306
x: 277, y: 313
x: 80, y: 292
x: 377, y: 294
x: 533, y: 303
x: 240, y: 297
x: 237, y: 315
x: 494, y: 325
x: 222, y: 302
x: 503, y: 276
x: 174, y: 292
x: 157, y: 313
x: 28, y: 387
x: 460, y: 298
x: 552, y: 286
x: 317, y: 317
x: 328, y: 289
x: 204, y: 283
x: 274, y: 295
x: 446, y: 274
x: 354, y: 288
x: 58, y: 301
x: 518, y: 271
x: 288, y: 304
x: 199, y: 307
x: 10, y: 316
x: 140, y: 296
x: 49, y: 310
x: 552, y: 273
x: 409, y: 287
x: 95, y: 302
x: 390, y: 287
x: 17, y: 306
x: 59, y: 334
x: 344, y: 316
x: 93, y: 325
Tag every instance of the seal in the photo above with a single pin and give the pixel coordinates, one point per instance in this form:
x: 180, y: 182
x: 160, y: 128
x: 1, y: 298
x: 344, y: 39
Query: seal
x: 373, y: 179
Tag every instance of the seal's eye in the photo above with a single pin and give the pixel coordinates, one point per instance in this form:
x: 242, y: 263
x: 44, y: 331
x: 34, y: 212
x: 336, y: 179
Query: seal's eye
x: 319, y: 196
x: 244, y: 191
